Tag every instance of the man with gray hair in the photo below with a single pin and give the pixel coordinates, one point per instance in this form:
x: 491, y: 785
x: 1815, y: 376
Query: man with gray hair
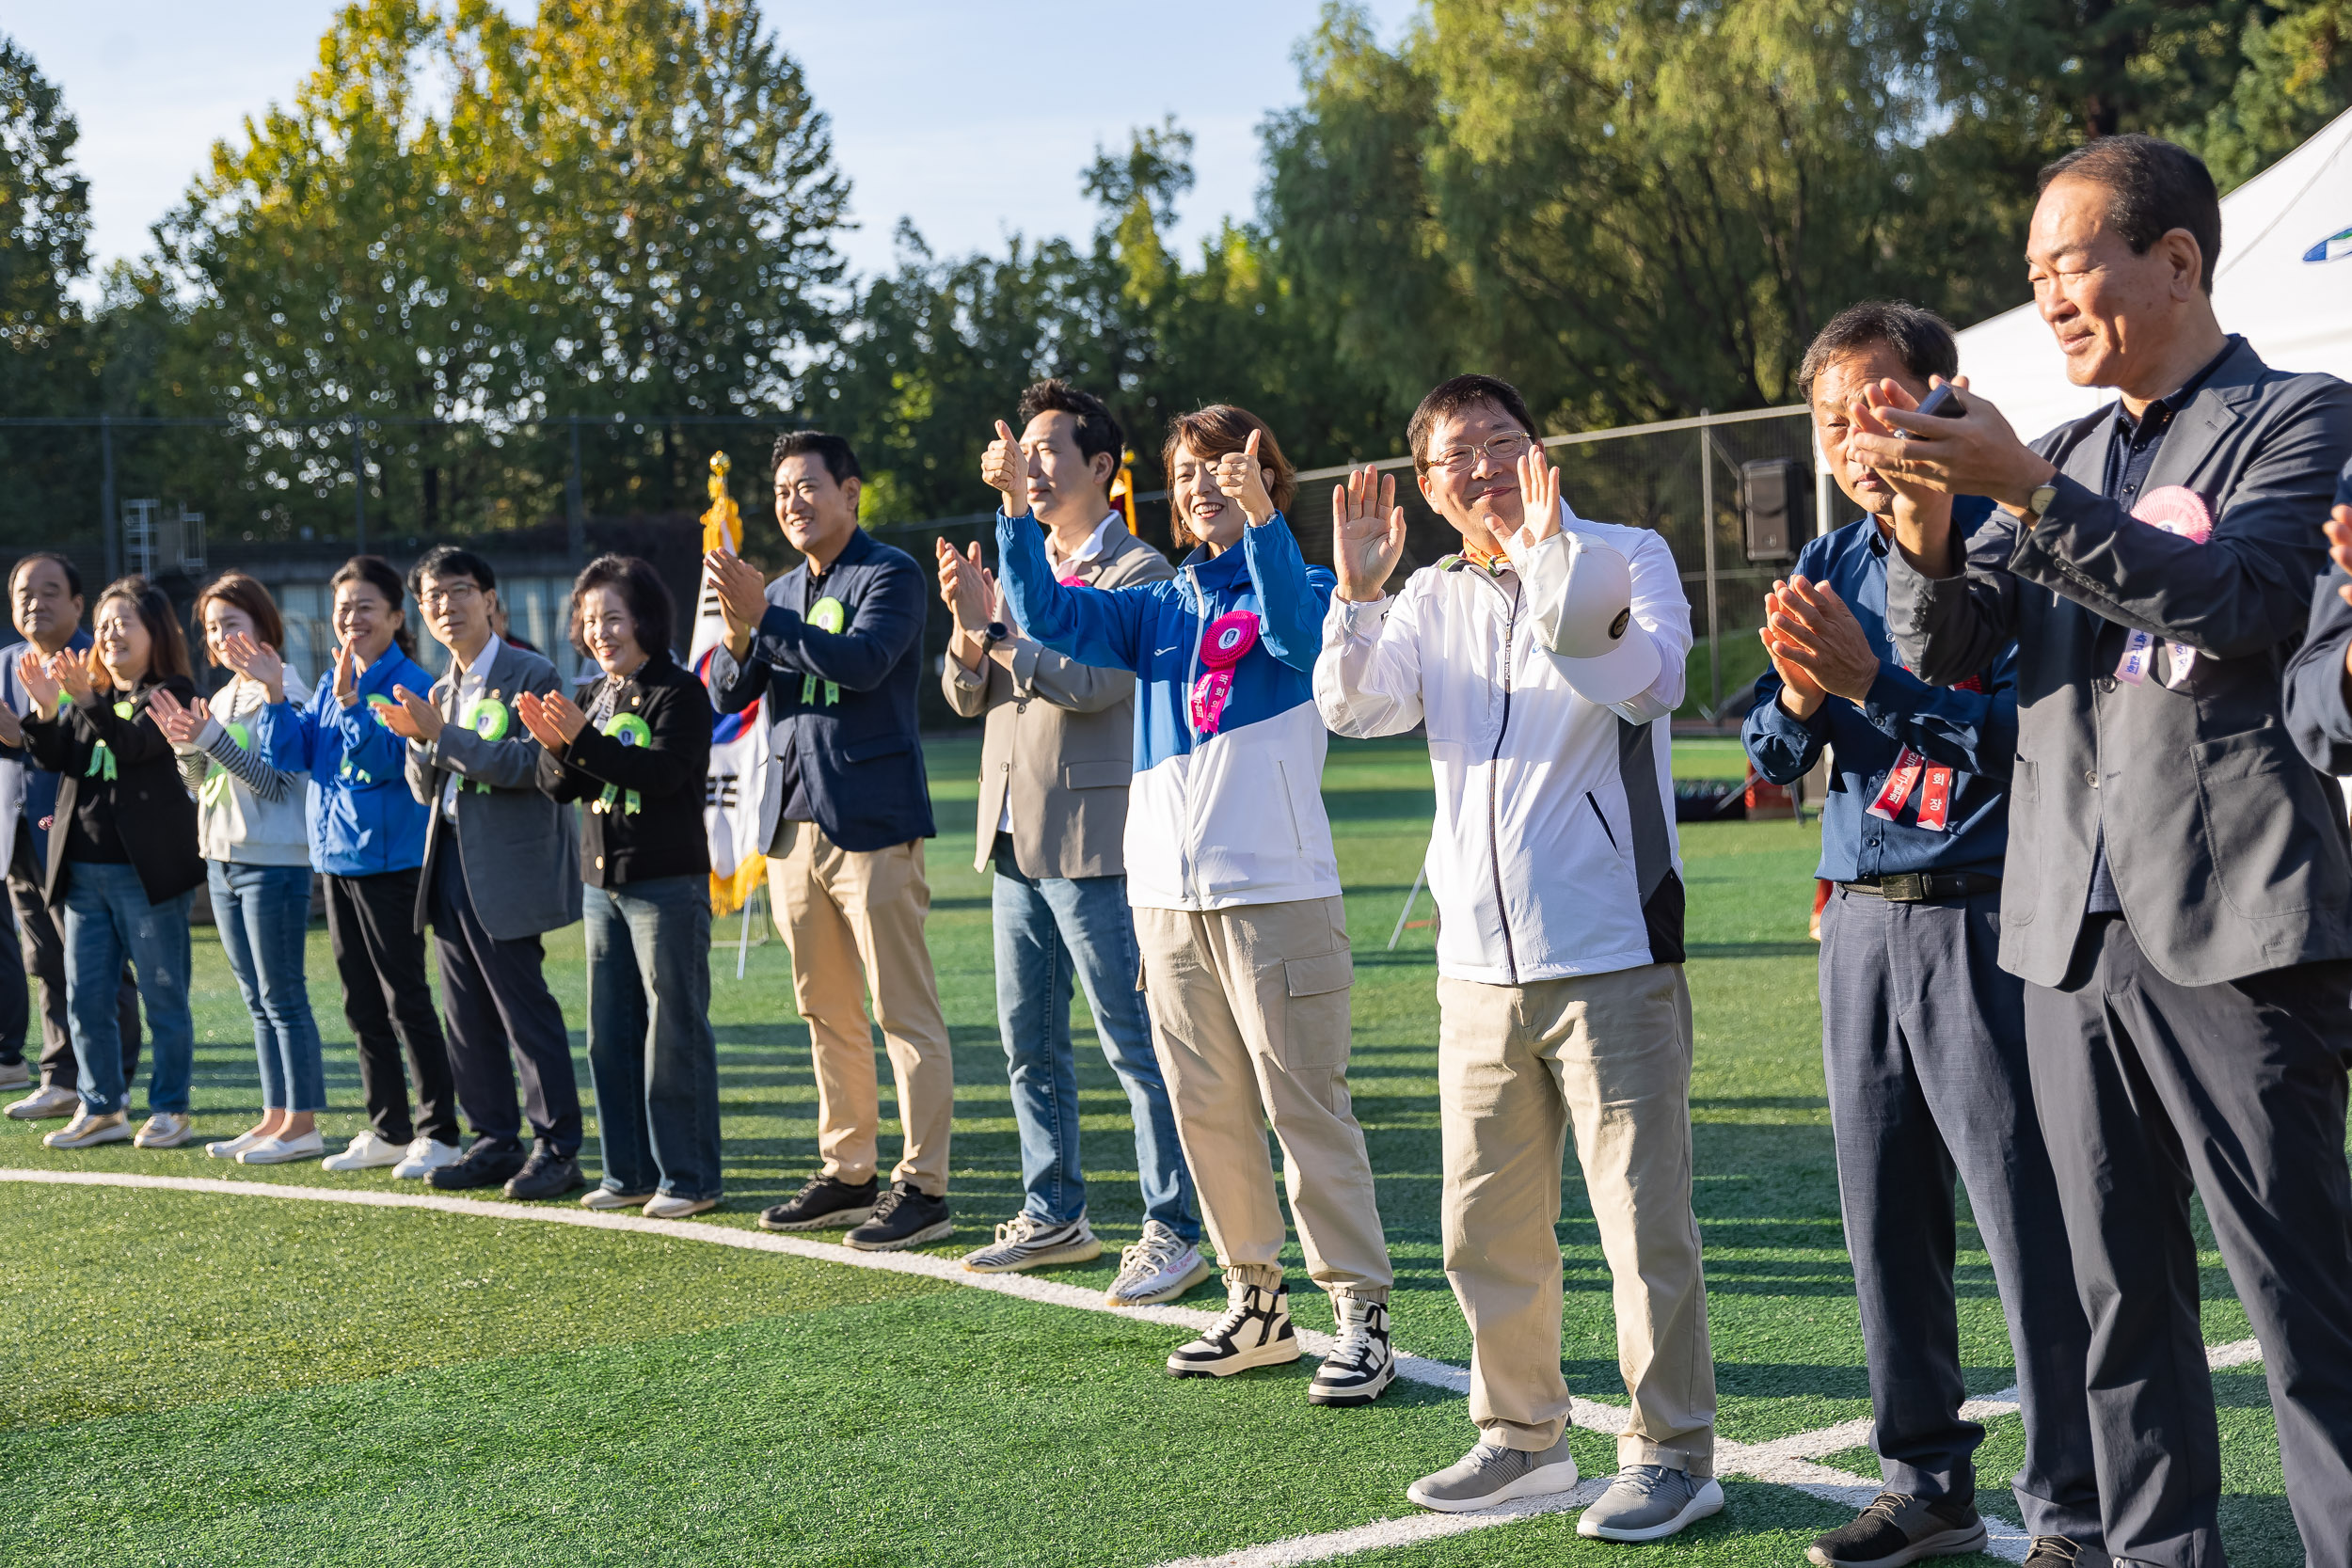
x: 1922, y: 1034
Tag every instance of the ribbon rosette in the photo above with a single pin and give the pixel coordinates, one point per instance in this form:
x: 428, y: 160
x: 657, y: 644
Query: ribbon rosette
x: 101, y: 758
x: 2181, y: 512
x: 1222, y: 645
x: 826, y: 614
x: 629, y: 728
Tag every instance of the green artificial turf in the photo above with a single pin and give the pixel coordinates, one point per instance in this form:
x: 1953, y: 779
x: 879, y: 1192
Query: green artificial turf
x: 204, y: 1379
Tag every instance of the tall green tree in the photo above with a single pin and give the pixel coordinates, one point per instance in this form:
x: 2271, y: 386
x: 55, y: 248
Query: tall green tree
x: 47, y: 350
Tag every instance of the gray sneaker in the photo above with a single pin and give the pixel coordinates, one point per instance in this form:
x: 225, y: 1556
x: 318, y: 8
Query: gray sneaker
x: 1650, y: 1502
x: 1488, y: 1475
x: 1026, y: 1242
x: 1159, y: 1266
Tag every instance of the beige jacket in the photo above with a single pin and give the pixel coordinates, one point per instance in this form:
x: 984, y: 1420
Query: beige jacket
x: 1061, y: 739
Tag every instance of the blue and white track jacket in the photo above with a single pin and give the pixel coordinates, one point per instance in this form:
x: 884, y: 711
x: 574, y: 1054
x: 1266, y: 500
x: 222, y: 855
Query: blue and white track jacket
x: 1224, y: 819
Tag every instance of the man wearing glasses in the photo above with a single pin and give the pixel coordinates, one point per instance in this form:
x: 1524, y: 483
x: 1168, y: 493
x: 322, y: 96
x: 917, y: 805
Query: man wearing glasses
x: 1540, y: 658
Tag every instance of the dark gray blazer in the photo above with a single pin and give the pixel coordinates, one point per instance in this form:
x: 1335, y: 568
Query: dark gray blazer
x: 2228, y: 850
x: 520, y: 850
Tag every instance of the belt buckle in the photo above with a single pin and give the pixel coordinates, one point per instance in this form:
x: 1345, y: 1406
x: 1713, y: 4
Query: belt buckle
x: 1904, y: 887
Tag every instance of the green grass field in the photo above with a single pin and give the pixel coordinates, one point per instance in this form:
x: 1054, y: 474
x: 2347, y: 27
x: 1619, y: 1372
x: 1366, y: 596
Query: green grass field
x: 205, y: 1379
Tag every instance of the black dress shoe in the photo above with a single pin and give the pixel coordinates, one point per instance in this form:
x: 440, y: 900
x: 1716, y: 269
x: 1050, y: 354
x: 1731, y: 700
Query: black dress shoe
x: 825, y: 1204
x: 906, y: 1217
x: 489, y: 1161
x: 546, y: 1175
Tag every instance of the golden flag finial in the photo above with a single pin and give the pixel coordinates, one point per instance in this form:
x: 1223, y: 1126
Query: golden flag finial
x: 723, y: 524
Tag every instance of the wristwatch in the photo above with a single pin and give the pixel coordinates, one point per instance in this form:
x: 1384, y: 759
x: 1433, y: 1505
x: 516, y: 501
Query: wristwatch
x: 998, y: 632
x: 2043, y: 498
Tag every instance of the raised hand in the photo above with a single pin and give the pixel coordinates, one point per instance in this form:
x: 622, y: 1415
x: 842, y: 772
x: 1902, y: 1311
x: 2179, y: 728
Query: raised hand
x: 180, y: 725
x: 963, y: 588
x: 256, y: 663
x: 78, y: 675
x: 565, y: 715
x: 531, y: 709
x: 1811, y: 628
x: 1540, y: 499
x: 1240, y: 476
x: 39, y: 684
x: 415, y: 719
x: 347, y: 674
x: 743, y: 593
x: 1006, y: 467
x: 1367, y: 534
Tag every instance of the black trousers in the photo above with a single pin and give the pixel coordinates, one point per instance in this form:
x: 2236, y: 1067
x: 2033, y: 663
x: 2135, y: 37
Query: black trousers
x: 2147, y: 1090
x: 40, y: 953
x: 1924, y: 1049
x: 493, y: 996
x: 379, y: 956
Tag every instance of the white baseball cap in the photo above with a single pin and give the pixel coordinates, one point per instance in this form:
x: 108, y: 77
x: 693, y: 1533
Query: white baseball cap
x: 1597, y: 656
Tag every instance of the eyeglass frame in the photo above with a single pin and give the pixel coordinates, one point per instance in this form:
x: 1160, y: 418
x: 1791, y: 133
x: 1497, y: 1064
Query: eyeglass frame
x: 1463, y: 459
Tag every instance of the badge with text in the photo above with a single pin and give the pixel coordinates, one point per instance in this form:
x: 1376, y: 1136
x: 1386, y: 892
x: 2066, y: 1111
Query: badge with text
x: 827, y: 614
x: 629, y: 728
x: 2181, y: 512
x: 1222, y: 645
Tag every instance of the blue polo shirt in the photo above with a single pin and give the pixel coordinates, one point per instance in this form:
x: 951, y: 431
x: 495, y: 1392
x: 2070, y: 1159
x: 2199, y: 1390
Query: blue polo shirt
x: 1974, y: 732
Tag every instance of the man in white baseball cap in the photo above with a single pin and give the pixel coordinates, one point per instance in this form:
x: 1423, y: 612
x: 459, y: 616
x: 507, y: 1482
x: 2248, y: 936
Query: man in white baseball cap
x: 1541, y: 658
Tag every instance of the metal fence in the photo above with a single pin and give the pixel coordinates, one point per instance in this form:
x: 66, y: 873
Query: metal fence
x: 184, y: 498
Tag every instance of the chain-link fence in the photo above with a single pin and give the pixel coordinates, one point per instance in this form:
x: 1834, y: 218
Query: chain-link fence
x: 182, y: 499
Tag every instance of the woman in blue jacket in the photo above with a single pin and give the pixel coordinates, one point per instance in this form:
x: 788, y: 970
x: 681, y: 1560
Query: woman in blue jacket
x: 1235, y: 888
x: 366, y: 836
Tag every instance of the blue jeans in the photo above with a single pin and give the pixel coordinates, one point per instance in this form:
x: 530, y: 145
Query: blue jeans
x: 263, y: 913
x: 652, y: 1060
x: 1049, y: 930
x: 107, y: 918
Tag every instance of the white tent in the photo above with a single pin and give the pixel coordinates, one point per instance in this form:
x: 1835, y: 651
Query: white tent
x: 2286, y: 281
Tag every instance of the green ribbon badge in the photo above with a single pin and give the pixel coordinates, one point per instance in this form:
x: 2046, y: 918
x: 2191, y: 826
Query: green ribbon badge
x: 629, y: 728
x: 102, y: 759
x: 826, y: 614
x: 216, y: 777
x: 488, y: 718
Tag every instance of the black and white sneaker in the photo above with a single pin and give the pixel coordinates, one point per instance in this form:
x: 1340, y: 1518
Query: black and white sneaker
x: 906, y: 1217
x: 822, y: 1204
x: 1362, y: 1364
x: 1026, y: 1242
x: 1254, y: 1332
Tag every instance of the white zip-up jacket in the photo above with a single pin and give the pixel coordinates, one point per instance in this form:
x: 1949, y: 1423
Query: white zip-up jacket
x: 1554, y: 852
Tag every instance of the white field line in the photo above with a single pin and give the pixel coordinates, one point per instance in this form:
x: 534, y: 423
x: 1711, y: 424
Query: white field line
x: 1783, y: 1461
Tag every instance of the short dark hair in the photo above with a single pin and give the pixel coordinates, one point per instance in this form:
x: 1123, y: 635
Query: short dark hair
x: 450, y: 561
x: 839, y: 460
x: 1448, y: 397
x: 2153, y: 188
x: 640, y: 588
x: 1920, y: 338
x: 246, y: 594
x: 1216, y: 430
x: 168, y: 651
x: 1098, y: 432
x: 65, y: 564
x: 377, y: 573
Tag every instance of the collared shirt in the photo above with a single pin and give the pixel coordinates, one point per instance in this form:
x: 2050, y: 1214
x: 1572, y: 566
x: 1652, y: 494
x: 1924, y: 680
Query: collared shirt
x: 1974, y: 732
x: 2131, y: 454
x: 471, y: 682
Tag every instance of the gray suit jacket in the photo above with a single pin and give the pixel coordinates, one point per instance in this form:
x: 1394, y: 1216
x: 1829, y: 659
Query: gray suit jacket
x: 519, y: 849
x: 1060, y: 740
x: 2227, y: 850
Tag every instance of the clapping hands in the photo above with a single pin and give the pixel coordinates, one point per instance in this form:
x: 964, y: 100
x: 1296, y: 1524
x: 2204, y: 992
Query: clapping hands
x: 554, y: 721
x: 256, y: 662
x: 180, y: 723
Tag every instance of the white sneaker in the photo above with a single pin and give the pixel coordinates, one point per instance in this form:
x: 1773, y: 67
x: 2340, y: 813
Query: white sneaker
x: 426, y: 1156
x: 1159, y: 1267
x: 664, y: 1206
x: 165, y: 1129
x: 279, y: 1151
x: 1026, y: 1242
x: 87, y: 1132
x: 1254, y: 1332
x: 367, y: 1151
x: 44, y: 1103
x: 604, y: 1200
x: 16, y: 1074
x: 1362, y: 1364
x: 228, y: 1149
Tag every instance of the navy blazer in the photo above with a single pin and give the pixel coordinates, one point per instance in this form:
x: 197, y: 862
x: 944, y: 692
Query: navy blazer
x: 853, y: 735
x: 2316, y: 714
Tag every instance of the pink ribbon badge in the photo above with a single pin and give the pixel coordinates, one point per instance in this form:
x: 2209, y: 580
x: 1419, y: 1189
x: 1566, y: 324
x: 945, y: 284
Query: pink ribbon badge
x: 1230, y: 636
x: 2183, y: 512
x: 1209, y: 695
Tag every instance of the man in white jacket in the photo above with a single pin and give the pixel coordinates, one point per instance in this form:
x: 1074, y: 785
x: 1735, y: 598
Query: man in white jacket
x: 1540, y: 658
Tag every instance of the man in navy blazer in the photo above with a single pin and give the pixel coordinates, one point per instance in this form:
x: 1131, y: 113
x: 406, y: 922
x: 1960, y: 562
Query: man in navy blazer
x: 836, y: 646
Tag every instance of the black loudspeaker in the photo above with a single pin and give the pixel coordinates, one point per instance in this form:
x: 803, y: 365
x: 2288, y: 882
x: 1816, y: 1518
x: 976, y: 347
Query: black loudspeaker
x: 1771, y: 492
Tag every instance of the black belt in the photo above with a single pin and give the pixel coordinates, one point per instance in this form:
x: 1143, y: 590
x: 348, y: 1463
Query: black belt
x: 1926, y: 887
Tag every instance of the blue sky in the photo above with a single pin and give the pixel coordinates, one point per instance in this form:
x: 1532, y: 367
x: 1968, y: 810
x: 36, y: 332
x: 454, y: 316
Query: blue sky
x: 972, y: 119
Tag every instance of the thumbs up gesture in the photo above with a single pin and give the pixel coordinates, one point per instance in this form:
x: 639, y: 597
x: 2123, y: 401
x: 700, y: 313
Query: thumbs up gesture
x: 1240, y: 476
x: 1006, y: 467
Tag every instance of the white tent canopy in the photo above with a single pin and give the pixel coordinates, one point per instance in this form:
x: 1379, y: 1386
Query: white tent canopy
x: 2286, y: 281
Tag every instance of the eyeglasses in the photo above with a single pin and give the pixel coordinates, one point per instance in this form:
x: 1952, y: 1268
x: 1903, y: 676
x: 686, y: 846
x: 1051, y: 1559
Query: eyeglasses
x: 456, y: 593
x: 1501, y: 451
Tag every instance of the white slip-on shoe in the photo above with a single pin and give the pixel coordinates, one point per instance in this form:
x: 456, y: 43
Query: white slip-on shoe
x: 87, y: 1132
x: 668, y: 1206
x: 228, y: 1149
x: 44, y: 1103
x: 426, y: 1156
x: 165, y: 1129
x: 604, y: 1200
x: 279, y: 1151
x: 370, y: 1150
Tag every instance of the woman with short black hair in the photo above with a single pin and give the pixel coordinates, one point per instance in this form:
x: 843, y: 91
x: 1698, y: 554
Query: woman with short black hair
x: 635, y: 747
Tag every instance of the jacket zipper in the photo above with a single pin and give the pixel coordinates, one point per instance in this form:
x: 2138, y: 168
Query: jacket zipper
x: 1184, y: 698
x: 1494, y: 765
x: 1603, y: 819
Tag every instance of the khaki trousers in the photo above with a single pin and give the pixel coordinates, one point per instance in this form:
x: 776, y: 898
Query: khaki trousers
x: 1517, y: 1067
x: 1249, y: 1010
x: 854, y: 923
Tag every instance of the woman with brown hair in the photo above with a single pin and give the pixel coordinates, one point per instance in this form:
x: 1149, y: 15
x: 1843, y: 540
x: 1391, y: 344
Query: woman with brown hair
x: 1235, y: 884
x: 122, y: 856
x: 251, y: 827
